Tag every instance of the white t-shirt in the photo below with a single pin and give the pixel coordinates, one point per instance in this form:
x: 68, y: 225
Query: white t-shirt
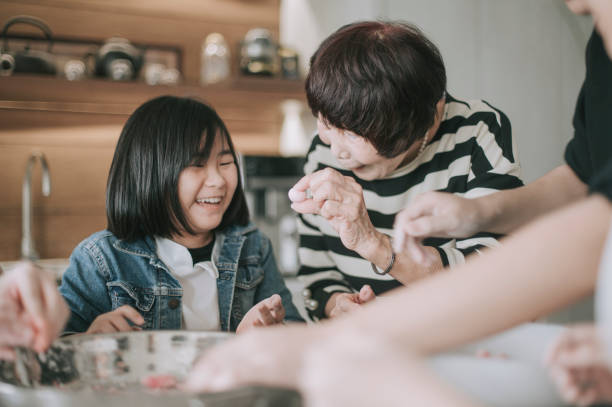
x: 199, y: 283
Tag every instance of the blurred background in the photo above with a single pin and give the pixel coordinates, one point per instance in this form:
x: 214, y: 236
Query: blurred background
x: 72, y: 71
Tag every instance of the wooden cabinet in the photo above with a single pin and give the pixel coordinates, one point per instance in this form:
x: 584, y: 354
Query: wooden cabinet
x: 77, y: 124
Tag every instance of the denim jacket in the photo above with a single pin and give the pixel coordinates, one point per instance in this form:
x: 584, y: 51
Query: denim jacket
x: 106, y: 273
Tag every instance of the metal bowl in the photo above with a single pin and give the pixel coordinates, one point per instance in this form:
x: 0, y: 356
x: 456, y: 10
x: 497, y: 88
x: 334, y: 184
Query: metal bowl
x: 100, y: 369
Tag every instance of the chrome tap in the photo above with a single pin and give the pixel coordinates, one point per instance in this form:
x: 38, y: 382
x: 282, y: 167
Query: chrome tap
x: 27, y: 243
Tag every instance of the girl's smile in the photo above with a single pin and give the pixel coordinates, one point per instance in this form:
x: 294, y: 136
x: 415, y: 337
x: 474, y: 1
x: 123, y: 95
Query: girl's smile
x: 212, y: 200
x: 205, y: 191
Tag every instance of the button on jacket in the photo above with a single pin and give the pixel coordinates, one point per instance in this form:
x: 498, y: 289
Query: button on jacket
x: 106, y: 273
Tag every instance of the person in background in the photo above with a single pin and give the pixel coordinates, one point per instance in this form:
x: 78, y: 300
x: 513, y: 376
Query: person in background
x: 32, y: 311
x: 387, y: 132
x: 548, y: 263
x: 179, y: 251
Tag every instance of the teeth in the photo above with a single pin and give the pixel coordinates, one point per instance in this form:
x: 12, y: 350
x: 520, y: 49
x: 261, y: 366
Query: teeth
x: 209, y: 200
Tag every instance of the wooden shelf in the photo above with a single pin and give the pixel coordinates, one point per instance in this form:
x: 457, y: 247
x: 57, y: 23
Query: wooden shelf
x: 250, y: 106
x: 40, y: 89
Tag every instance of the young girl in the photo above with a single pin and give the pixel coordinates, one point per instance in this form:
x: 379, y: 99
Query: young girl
x: 179, y: 251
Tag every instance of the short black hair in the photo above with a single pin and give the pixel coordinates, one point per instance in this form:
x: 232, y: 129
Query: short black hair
x: 379, y: 79
x: 159, y: 140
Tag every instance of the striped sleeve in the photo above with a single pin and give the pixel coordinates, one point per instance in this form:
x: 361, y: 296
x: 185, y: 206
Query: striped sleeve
x: 494, y: 167
x: 318, y: 272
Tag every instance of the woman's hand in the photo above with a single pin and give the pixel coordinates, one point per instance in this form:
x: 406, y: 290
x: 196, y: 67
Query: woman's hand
x: 578, y: 367
x: 266, y: 312
x: 345, y: 303
x: 32, y: 311
x: 338, y: 199
x: 434, y: 214
x: 117, y: 321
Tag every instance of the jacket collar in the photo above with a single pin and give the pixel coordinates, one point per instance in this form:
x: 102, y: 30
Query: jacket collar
x: 147, y: 248
x: 141, y: 247
x: 238, y: 230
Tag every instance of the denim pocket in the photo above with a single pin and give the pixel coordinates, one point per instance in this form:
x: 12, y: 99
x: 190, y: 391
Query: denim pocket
x: 141, y: 299
x: 249, y: 275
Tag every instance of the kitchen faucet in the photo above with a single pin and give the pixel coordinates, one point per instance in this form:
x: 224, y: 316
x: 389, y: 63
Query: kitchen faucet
x: 27, y: 243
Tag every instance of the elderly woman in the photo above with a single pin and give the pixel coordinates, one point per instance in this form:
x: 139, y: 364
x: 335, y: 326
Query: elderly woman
x: 387, y: 132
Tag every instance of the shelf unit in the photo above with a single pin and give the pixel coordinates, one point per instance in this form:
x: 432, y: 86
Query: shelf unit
x: 250, y: 106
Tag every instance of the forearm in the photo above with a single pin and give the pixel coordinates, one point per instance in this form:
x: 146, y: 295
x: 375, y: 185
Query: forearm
x: 505, y: 211
x: 405, y: 269
x: 536, y: 271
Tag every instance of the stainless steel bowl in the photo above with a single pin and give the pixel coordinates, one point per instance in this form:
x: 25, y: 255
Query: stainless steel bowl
x: 92, y: 370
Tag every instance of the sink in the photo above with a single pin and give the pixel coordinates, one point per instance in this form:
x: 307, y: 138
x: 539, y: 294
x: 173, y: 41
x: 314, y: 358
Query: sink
x: 54, y: 266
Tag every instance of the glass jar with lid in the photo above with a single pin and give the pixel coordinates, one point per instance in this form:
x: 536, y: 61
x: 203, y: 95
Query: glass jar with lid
x: 215, y: 65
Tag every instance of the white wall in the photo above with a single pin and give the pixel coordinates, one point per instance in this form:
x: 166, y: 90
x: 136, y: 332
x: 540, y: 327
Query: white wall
x: 525, y: 57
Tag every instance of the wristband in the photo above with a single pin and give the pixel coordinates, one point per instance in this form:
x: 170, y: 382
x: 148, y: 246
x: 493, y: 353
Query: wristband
x: 389, y: 267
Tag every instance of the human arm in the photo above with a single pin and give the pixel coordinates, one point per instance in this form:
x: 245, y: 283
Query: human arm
x: 537, y: 270
x: 493, y: 166
x: 494, y: 201
x: 32, y: 312
x: 340, y: 201
x: 505, y: 211
x: 446, y: 215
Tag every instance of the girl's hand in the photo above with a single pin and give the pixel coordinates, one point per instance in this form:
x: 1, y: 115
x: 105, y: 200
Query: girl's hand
x: 117, y: 321
x: 344, y: 303
x: 32, y: 311
x: 338, y: 199
x: 267, y: 312
x: 578, y: 367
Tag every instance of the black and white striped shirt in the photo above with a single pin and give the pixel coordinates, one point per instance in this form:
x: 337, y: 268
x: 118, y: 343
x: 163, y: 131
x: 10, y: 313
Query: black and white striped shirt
x: 472, y: 154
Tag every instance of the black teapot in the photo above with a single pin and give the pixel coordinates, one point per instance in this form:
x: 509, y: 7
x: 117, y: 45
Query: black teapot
x: 26, y: 60
x: 118, y: 60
